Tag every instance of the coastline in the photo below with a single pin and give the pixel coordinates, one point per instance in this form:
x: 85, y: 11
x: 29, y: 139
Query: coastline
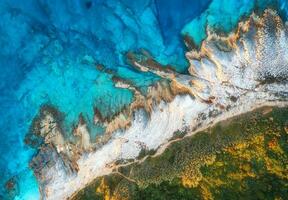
x: 222, y: 85
x: 233, y: 153
x: 89, y: 87
x: 108, y: 167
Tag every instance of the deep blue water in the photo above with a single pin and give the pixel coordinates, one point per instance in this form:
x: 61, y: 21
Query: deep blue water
x: 50, y: 50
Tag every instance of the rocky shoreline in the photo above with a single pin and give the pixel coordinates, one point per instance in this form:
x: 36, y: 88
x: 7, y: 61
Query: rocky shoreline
x: 228, y: 76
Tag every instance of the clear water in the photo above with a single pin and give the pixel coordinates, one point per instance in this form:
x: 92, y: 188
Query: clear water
x: 224, y: 15
x: 49, y: 52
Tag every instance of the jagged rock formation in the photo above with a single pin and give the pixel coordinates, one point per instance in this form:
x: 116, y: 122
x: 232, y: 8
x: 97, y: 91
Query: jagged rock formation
x: 228, y: 76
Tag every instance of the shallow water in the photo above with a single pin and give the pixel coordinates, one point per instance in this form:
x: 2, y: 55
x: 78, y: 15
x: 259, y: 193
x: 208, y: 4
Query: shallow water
x: 224, y: 15
x: 50, y: 50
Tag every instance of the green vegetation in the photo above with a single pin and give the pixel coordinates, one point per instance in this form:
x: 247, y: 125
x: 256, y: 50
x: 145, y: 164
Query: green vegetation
x: 245, y: 157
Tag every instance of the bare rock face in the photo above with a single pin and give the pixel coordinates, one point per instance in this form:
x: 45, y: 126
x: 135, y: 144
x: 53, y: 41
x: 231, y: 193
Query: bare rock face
x: 46, y: 136
x: 45, y: 129
x: 46, y: 158
x: 254, y: 59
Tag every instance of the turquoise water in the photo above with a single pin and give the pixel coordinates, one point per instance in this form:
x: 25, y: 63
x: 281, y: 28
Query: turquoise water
x: 50, y: 50
x: 224, y: 15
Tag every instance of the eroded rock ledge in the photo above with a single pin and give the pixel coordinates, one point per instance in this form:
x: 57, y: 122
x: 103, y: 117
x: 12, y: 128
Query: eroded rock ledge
x: 228, y: 76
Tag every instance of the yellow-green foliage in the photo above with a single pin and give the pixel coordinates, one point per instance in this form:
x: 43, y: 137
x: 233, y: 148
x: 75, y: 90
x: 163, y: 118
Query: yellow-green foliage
x: 243, y: 158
